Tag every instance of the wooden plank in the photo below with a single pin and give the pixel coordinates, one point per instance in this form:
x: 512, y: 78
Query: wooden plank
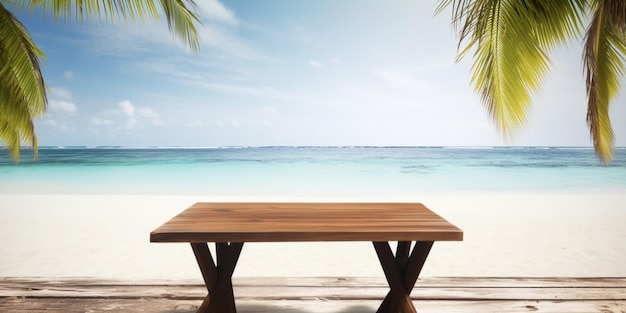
x: 324, y: 288
x: 312, y: 295
x: 331, y: 293
x: 579, y: 282
x: 71, y: 305
x: 287, y: 222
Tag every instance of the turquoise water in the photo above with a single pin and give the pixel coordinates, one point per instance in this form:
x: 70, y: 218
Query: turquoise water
x: 310, y: 171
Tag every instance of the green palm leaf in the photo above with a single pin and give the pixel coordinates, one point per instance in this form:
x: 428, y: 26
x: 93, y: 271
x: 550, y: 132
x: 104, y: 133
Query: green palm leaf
x: 180, y: 18
x: 22, y: 89
x: 604, y: 57
x: 511, y: 41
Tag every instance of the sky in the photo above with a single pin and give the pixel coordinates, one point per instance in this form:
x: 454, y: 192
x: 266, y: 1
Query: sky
x: 281, y: 72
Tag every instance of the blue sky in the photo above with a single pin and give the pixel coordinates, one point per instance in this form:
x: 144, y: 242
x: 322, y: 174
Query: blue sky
x: 279, y: 72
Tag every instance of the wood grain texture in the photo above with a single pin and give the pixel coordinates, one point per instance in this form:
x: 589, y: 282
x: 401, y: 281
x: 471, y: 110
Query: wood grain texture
x: 317, y: 295
x: 15, y: 305
x: 288, y: 222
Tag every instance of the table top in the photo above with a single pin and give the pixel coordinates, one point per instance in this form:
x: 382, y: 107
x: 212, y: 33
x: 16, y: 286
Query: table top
x: 287, y: 222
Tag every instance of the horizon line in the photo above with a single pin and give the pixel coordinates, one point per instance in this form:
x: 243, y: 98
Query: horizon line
x: 308, y: 146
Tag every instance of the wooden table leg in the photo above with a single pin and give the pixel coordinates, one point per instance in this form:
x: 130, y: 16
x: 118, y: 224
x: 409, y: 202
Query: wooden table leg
x: 401, y: 272
x: 218, y: 279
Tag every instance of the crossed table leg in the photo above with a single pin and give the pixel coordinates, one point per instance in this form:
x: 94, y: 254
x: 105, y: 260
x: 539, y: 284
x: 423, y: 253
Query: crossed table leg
x: 401, y: 272
x: 218, y: 279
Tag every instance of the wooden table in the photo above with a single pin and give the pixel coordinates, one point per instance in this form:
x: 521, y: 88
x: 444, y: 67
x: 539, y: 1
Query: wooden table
x: 229, y: 225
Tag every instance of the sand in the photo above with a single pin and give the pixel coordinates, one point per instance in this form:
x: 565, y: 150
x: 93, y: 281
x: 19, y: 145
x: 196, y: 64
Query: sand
x: 107, y: 236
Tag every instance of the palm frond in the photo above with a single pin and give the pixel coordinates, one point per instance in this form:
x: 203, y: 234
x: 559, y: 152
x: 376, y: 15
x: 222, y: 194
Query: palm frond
x: 604, y: 58
x: 92, y: 10
x: 22, y: 88
x: 13, y: 136
x: 180, y: 14
x: 511, y: 41
x: 10, y: 136
x: 180, y: 20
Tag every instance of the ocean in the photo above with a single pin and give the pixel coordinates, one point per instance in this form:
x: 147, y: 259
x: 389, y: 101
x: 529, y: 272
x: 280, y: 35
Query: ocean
x: 311, y: 171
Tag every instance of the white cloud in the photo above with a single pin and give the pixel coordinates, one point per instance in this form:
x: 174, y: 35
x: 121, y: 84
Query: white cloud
x: 215, y: 10
x: 268, y: 110
x: 69, y: 75
x: 101, y: 121
x: 62, y: 106
x: 315, y: 64
x: 127, y: 108
x: 424, y: 75
x: 56, y: 124
x: 262, y: 92
x: 194, y: 124
x: 402, y: 77
x: 146, y: 112
x: 134, y: 114
x: 216, y: 38
x: 60, y: 93
x: 157, y: 122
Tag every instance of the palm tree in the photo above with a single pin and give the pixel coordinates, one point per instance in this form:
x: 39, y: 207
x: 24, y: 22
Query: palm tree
x: 22, y: 87
x: 511, y: 42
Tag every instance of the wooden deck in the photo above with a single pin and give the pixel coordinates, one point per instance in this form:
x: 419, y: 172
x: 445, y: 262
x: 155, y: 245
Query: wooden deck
x: 317, y: 295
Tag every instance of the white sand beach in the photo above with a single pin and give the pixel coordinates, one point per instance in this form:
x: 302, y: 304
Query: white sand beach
x: 505, y: 235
